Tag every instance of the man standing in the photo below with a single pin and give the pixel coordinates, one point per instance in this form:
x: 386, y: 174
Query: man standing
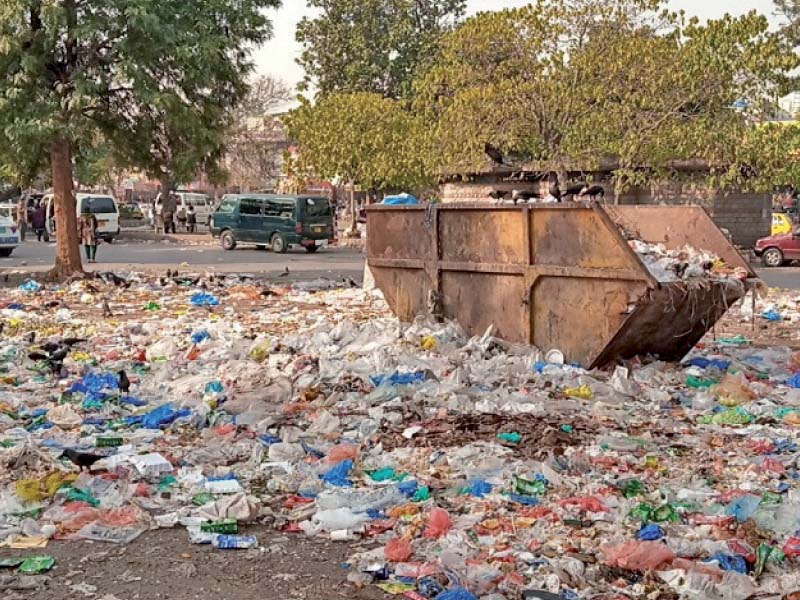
x: 39, y: 222
x: 22, y: 216
x: 169, y: 207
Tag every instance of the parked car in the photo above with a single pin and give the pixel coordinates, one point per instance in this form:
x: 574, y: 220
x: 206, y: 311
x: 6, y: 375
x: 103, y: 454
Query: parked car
x: 777, y: 250
x: 130, y: 212
x: 203, y: 205
x: 279, y: 222
x: 9, y: 232
x: 103, y: 206
x: 781, y: 224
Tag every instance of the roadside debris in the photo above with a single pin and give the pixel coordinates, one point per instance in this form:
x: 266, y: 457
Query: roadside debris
x: 469, y: 468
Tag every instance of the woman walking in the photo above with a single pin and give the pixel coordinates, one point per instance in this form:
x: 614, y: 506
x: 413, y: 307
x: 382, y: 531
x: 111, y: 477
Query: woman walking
x: 87, y: 230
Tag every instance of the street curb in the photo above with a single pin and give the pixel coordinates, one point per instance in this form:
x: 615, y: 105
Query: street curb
x: 132, y: 235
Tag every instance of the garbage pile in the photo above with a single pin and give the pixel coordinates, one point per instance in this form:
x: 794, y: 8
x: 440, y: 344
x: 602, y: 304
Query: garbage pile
x: 473, y: 468
x: 669, y: 266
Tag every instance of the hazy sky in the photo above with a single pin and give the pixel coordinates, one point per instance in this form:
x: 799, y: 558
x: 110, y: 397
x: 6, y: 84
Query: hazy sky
x: 277, y: 58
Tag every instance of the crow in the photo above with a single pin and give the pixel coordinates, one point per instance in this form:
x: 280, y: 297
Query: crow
x: 268, y: 293
x: 31, y: 337
x: 285, y: 273
x: 351, y: 282
x: 494, y: 153
x: 72, y: 341
x: 107, y: 309
x: 497, y: 195
x: 5, y: 278
x: 594, y: 192
x: 124, y: 383
x: 576, y: 190
x: 81, y: 459
x: 524, y: 196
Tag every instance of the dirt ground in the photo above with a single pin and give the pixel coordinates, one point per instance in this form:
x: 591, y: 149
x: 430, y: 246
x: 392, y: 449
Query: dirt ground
x: 163, y: 564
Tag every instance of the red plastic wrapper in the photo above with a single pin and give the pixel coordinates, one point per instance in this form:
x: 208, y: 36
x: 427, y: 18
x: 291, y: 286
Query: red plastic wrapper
x: 792, y: 547
x: 586, y: 503
x: 341, y: 452
x: 634, y: 555
x: 398, y: 550
x: 439, y: 523
x: 718, y: 520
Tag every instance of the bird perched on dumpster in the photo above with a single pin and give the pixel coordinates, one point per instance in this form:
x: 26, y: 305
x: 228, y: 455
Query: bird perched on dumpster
x: 285, y: 273
x: 498, y: 195
x: 83, y: 460
x: 124, y: 383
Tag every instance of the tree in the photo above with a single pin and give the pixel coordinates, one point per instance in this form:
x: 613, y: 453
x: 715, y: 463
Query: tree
x: 256, y: 140
x: 568, y: 82
x: 362, y: 139
x: 374, y: 46
x: 132, y: 71
x: 789, y: 10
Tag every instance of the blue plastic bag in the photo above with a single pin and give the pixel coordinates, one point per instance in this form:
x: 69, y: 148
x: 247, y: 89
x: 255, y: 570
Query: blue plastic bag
x: 398, y: 379
x: 339, y: 474
x: 163, y: 416
x: 203, y: 299
x: 704, y: 363
x: 794, y: 382
x: 200, y: 337
x: 457, y: 594
x: 480, y: 488
x: 650, y: 533
x: 400, y: 200
x: 772, y: 315
x: 743, y: 507
x: 729, y: 562
x: 524, y: 500
x: 30, y: 286
x: 408, y: 488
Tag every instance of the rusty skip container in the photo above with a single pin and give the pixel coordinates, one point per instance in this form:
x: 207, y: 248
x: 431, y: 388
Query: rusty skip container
x: 557, y: 276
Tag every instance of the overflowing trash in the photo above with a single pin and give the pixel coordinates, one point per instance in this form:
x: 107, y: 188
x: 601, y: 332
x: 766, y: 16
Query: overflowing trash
x: 466, y: 467
x: 668, y: 266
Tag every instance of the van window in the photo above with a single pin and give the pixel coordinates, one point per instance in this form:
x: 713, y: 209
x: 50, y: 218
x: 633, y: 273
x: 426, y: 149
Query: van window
x: 197, y: 200
x: 283, y: 209
x: 316, y: 207
x: 99, y: 205
x: 228, y: 205
x: 250, y: 206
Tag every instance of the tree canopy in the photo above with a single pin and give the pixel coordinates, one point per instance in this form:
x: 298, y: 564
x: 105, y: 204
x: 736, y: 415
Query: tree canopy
x: 561, y: 83
x: 374, y: 46
x: 154, y: 78
x: 360, y: 138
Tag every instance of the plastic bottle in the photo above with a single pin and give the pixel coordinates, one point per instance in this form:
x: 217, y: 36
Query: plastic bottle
x: 339, y: 519
x: 361, y: 501
x: 235, y: 542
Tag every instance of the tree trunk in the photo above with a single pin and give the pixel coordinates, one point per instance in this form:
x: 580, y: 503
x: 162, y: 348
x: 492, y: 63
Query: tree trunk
x: 353, y: 233
x: 166, y: 186
x: 68, y: 252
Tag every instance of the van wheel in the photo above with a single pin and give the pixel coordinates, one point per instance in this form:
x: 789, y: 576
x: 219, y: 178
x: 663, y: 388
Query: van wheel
x: 773, y: 258
x: 278, y: 244
x: 312, y: 249
x: 6, y: 252
x: 227, y: 241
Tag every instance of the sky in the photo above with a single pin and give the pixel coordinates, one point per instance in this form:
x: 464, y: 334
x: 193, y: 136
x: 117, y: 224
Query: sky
x: 277, y: 57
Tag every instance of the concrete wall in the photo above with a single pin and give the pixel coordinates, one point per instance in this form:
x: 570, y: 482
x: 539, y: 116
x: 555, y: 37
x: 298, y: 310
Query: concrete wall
x: 747, y: 217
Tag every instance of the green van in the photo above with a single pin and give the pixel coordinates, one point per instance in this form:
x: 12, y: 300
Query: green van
x: 279, y: 222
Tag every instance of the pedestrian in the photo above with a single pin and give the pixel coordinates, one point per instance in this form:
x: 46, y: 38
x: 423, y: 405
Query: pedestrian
x: 181, y: 216
x: 22, y: 216
x: 191, y: 219
x: 87, y: 231
x: 169, y: 208
x: 39, y: 222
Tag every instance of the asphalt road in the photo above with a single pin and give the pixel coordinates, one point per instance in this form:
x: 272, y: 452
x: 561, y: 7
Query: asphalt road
x: 331, y: 262
x: 157, y: 257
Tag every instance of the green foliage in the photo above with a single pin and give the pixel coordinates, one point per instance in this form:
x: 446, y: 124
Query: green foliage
x: 154, y: 78
x: 789, y: 11
x: 374, y: 46
x: 362, y: 138
x: 567, y: 82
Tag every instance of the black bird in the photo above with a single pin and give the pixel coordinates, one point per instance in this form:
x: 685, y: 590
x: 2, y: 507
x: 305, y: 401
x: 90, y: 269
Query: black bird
x: 72, y: 341
x: 494, y: 153
x: 524, y: 195
x: 5, y: 278
x: 124, y: 383
x: 2, y: 327
x: 351, y: 282
x: 267, y: 293
x: 594, y: 192
x: 285, y: 273
x: 498, y: 195
x: 50, y: 347
x: 31, y: 337
x: 107, y: 309
x: 576, y: 190
x: 83, y: 460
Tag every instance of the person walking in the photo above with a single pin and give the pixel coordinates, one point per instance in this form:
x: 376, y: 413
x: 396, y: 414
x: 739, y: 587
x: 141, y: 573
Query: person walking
x: 191, y: 219
x: 169, y: 207
x: 22, y: 216
x: 39, y: 222
x: 87, y: 231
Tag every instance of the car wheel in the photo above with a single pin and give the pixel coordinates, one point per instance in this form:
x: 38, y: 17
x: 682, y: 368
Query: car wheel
x: 278, y: 244
x: 6, y: 252
x: 773, y: 258
x: 227, y: 241
x: 312, y: 249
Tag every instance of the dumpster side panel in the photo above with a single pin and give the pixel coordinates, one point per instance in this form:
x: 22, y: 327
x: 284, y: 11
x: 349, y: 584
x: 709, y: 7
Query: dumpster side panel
x: 406, y: 290
x: 580, y: 316
x: 676, y: 227
x: 669, y: 321
x: 399, y: 233
x: 480, y: 300
x: 481, y: 236
x: 581, y: 237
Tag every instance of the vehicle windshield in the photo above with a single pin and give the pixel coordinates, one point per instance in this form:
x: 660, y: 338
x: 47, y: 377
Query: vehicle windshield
x: 228, y: 205
x: 99, y: 205
x: 317, y: 207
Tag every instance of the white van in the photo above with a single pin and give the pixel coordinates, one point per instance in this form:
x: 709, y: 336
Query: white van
x: 102, y: 206
x: 9, y: 232
x: 203, y: 205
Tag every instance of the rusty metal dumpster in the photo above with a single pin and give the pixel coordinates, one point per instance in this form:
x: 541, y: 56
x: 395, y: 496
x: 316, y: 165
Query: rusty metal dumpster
x: 555, y: 276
